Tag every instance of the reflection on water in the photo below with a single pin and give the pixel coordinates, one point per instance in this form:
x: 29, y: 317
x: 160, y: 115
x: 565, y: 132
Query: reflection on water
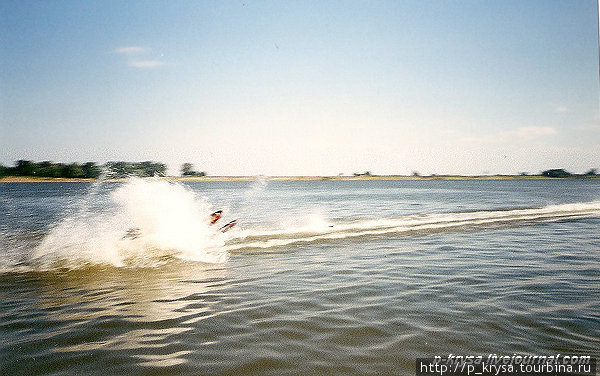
x: 137, y: 311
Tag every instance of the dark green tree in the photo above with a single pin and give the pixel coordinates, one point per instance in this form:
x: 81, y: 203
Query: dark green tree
x: 24, y: 168
x: 91, y: 170
x: 556, y: 173
x: 187, y: 169
x: 45, y: 168
x: 149, y: 169
x: 72, y: 170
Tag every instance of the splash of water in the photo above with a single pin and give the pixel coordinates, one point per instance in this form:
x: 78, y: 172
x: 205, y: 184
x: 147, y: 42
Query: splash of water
x: 169, y: 221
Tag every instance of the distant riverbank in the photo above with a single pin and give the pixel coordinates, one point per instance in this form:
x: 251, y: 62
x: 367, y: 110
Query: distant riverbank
x: 34, y: 179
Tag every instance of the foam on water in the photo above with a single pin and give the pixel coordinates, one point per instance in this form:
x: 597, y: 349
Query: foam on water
x: 168, y: 219
x: 319, y: 229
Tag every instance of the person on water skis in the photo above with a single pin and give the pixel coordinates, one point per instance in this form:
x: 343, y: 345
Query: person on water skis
x: 134, y: 232
x: 214, y: 217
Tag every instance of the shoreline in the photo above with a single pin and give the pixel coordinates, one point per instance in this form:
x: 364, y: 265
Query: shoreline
x: 33, y: 179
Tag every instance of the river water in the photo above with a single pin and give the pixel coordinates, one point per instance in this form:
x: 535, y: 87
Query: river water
x: 318, y: 277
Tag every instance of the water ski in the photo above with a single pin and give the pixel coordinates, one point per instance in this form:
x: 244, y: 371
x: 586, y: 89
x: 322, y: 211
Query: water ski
x: 228, y: 226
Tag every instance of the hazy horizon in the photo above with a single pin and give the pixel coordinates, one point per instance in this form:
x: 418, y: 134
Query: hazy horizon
x: 303, y: 88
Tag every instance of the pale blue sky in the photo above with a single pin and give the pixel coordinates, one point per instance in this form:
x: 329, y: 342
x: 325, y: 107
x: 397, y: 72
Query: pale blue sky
x: 303, y: 87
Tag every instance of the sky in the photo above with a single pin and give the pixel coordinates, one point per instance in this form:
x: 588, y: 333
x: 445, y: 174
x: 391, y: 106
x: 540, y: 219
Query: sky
x: 295, y: 87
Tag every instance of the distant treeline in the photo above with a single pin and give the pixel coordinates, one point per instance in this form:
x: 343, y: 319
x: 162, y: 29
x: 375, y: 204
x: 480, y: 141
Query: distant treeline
x: 552, y: 173
x: 561, y: 173
x: 148, y: 169
x: 87, y: 170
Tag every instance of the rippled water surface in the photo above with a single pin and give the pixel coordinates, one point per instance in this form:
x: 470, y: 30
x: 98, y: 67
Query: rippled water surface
x: 325, y: 277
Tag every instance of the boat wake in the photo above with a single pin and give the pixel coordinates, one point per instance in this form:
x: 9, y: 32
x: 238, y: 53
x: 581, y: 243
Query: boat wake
x: 355, y: 228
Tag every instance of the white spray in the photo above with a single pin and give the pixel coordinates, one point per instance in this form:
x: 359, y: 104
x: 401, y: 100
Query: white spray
x: 168, y: 219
